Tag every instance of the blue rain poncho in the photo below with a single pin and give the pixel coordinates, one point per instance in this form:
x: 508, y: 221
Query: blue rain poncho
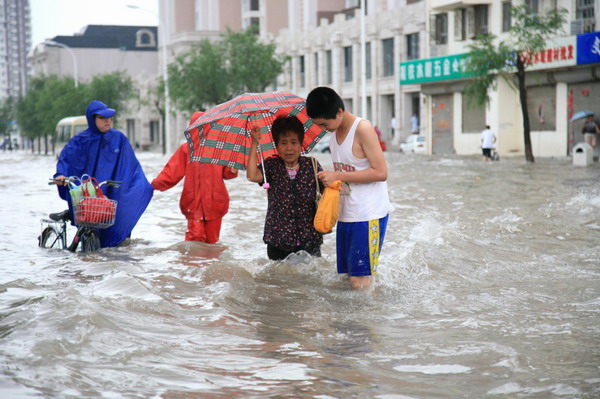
x: 107, y: 156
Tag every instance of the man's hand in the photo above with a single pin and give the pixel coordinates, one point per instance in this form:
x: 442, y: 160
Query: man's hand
x: 328, y: 177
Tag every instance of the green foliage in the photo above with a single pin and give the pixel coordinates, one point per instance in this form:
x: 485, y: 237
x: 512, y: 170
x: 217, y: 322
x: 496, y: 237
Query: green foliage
x: 113, y: 89
x: 490, y: 58
x: 50, y: 98
x: 8, y: 113
x: 198, y: 77
x: 213, y: 72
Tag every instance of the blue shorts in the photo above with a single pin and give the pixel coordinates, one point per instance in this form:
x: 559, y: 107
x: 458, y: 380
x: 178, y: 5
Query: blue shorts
x: 358, y: 245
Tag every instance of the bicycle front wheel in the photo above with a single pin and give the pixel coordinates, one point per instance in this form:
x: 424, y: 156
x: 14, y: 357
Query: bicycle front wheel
x: 90, y: 242
x: 50, y: 238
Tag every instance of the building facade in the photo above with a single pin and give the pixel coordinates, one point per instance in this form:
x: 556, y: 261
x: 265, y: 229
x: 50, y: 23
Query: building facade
x: 185, y: 22
x: 564, y: 79
x: 330, y: 53
x: 102, y: 49
x: 15, y: 42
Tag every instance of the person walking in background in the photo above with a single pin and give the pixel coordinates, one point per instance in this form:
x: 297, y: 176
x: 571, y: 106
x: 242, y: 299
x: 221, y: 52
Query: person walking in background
x: 364, y: 202
x: 204, y: 199
x: 590, y: 130
x: 106, y: 154
x: 414, y: 124
x: 488, y: 138
x: 292, y: 192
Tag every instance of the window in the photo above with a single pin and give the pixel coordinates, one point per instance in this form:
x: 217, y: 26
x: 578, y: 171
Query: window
x: 506, y: 16
x: 412, y: 47
x: 154, y: 131
x: 131, y: 130
x: 481, y: 20
x: 316, y: 69
x: 348, y: 64
x: 368, y: 60
x: 460, y: 24
x: 302, y: 71
x: 441, y: 29
x: 251, y: 5
x: 585, y: 11
x: 329, y: 68
x: 533, y: 5
x: 388, y: 56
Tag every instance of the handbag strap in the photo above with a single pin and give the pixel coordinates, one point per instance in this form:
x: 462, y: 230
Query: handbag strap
x: 94, y: 182
x: 315, y: 170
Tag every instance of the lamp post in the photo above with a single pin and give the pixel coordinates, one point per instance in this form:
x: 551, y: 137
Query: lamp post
x: 165, y: 73
x: 53, y: 43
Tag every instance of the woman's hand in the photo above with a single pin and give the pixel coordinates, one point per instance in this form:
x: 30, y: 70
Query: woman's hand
x: 255, y: 134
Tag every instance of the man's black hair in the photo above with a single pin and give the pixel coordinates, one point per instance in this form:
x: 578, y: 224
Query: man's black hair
x: 323, y: 102
x: 282, y: 125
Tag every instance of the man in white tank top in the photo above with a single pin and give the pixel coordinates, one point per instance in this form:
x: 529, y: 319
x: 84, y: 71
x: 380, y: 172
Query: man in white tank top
x: 364, y: 203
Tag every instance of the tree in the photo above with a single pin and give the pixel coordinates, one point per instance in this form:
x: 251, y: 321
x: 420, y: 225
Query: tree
x: 213, y: 72
x: 491, y: 58
x: 50, y: 98
x: 114, y: 89
x: 7, y: 115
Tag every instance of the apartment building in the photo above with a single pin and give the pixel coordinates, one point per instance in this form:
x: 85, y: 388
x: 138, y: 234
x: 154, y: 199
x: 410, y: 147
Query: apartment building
x: 101, y: 49
x: 185, y: 22
x: 330, y: 53
x: 15, y: 41
x: 564, y: 79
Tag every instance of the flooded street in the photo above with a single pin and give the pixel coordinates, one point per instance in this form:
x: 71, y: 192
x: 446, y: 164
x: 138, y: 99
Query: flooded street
x: 488, y: 287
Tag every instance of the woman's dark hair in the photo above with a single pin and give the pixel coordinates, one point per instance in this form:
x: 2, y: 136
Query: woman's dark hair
x: 323, y: 102
x: 285, y: 124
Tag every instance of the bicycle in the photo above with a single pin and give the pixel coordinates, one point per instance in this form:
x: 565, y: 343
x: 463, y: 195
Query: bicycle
x: 90, y: 216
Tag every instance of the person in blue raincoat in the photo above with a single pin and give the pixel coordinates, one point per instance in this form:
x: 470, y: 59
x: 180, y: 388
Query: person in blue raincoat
x: 106, y: 154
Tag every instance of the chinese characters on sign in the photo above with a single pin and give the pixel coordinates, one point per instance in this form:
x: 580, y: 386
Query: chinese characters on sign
x: 558, y: 53
x: 433, y: 69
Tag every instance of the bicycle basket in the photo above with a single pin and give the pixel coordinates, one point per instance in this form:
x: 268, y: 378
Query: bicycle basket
x: 96, y: 212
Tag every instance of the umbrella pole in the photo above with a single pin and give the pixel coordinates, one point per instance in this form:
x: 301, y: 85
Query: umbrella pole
x: 266, y: 184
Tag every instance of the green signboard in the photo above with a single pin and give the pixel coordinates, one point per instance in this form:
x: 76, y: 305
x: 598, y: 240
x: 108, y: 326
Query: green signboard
x: 433, y: 69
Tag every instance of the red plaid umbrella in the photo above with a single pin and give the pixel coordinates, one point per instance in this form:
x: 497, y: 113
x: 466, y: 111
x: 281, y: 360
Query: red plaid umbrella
x: 222, y: 134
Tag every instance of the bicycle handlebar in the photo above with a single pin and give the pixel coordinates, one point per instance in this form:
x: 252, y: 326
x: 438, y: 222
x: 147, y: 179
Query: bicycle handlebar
x: 71, y: 179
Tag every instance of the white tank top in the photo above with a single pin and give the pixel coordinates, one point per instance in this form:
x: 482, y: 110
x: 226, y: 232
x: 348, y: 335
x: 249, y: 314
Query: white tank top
x: 359, y: 202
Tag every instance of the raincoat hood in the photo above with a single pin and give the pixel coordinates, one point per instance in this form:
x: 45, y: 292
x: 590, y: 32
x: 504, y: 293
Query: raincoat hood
x: 97, y: 108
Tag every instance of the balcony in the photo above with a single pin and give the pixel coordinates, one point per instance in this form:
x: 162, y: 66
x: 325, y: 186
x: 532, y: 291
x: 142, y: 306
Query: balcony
x: 450, y: 5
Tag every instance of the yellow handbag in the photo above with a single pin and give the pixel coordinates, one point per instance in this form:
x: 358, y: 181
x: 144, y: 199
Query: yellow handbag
x: 327, y: 211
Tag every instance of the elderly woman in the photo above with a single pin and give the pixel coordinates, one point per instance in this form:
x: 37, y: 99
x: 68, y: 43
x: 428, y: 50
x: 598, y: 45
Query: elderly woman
x: 291, y: 210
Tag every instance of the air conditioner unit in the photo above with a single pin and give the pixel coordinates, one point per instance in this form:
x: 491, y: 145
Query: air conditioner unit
x: 576, y: 27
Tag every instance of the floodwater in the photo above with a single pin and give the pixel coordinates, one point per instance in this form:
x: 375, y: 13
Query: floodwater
x: 488, y: 287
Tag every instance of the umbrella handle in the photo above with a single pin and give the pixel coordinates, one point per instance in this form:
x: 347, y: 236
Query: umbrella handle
x: 266, y: 184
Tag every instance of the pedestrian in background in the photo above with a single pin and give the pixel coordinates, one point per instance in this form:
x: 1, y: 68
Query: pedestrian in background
x: 590, y: 130
x: 488, y: 138
x: 414, y: 124
x: 204, y: 199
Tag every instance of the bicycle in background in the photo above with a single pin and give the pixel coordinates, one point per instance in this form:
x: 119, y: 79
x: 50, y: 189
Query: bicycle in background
x: 93, y: 211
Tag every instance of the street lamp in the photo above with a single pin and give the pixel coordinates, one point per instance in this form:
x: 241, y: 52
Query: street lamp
x: 53, y: 43
x: 163, y: 39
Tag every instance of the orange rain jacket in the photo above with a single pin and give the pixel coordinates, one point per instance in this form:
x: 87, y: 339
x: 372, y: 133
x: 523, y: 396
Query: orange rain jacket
x: 204, y: 195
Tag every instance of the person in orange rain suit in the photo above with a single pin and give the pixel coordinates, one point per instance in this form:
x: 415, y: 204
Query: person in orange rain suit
x: 204, y: 199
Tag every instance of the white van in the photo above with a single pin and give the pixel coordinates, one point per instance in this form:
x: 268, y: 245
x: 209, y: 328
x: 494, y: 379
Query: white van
x: 69, y: 127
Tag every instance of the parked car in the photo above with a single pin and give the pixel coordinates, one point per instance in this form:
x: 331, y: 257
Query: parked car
x: 323, y: 144
x: 414, y: 144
